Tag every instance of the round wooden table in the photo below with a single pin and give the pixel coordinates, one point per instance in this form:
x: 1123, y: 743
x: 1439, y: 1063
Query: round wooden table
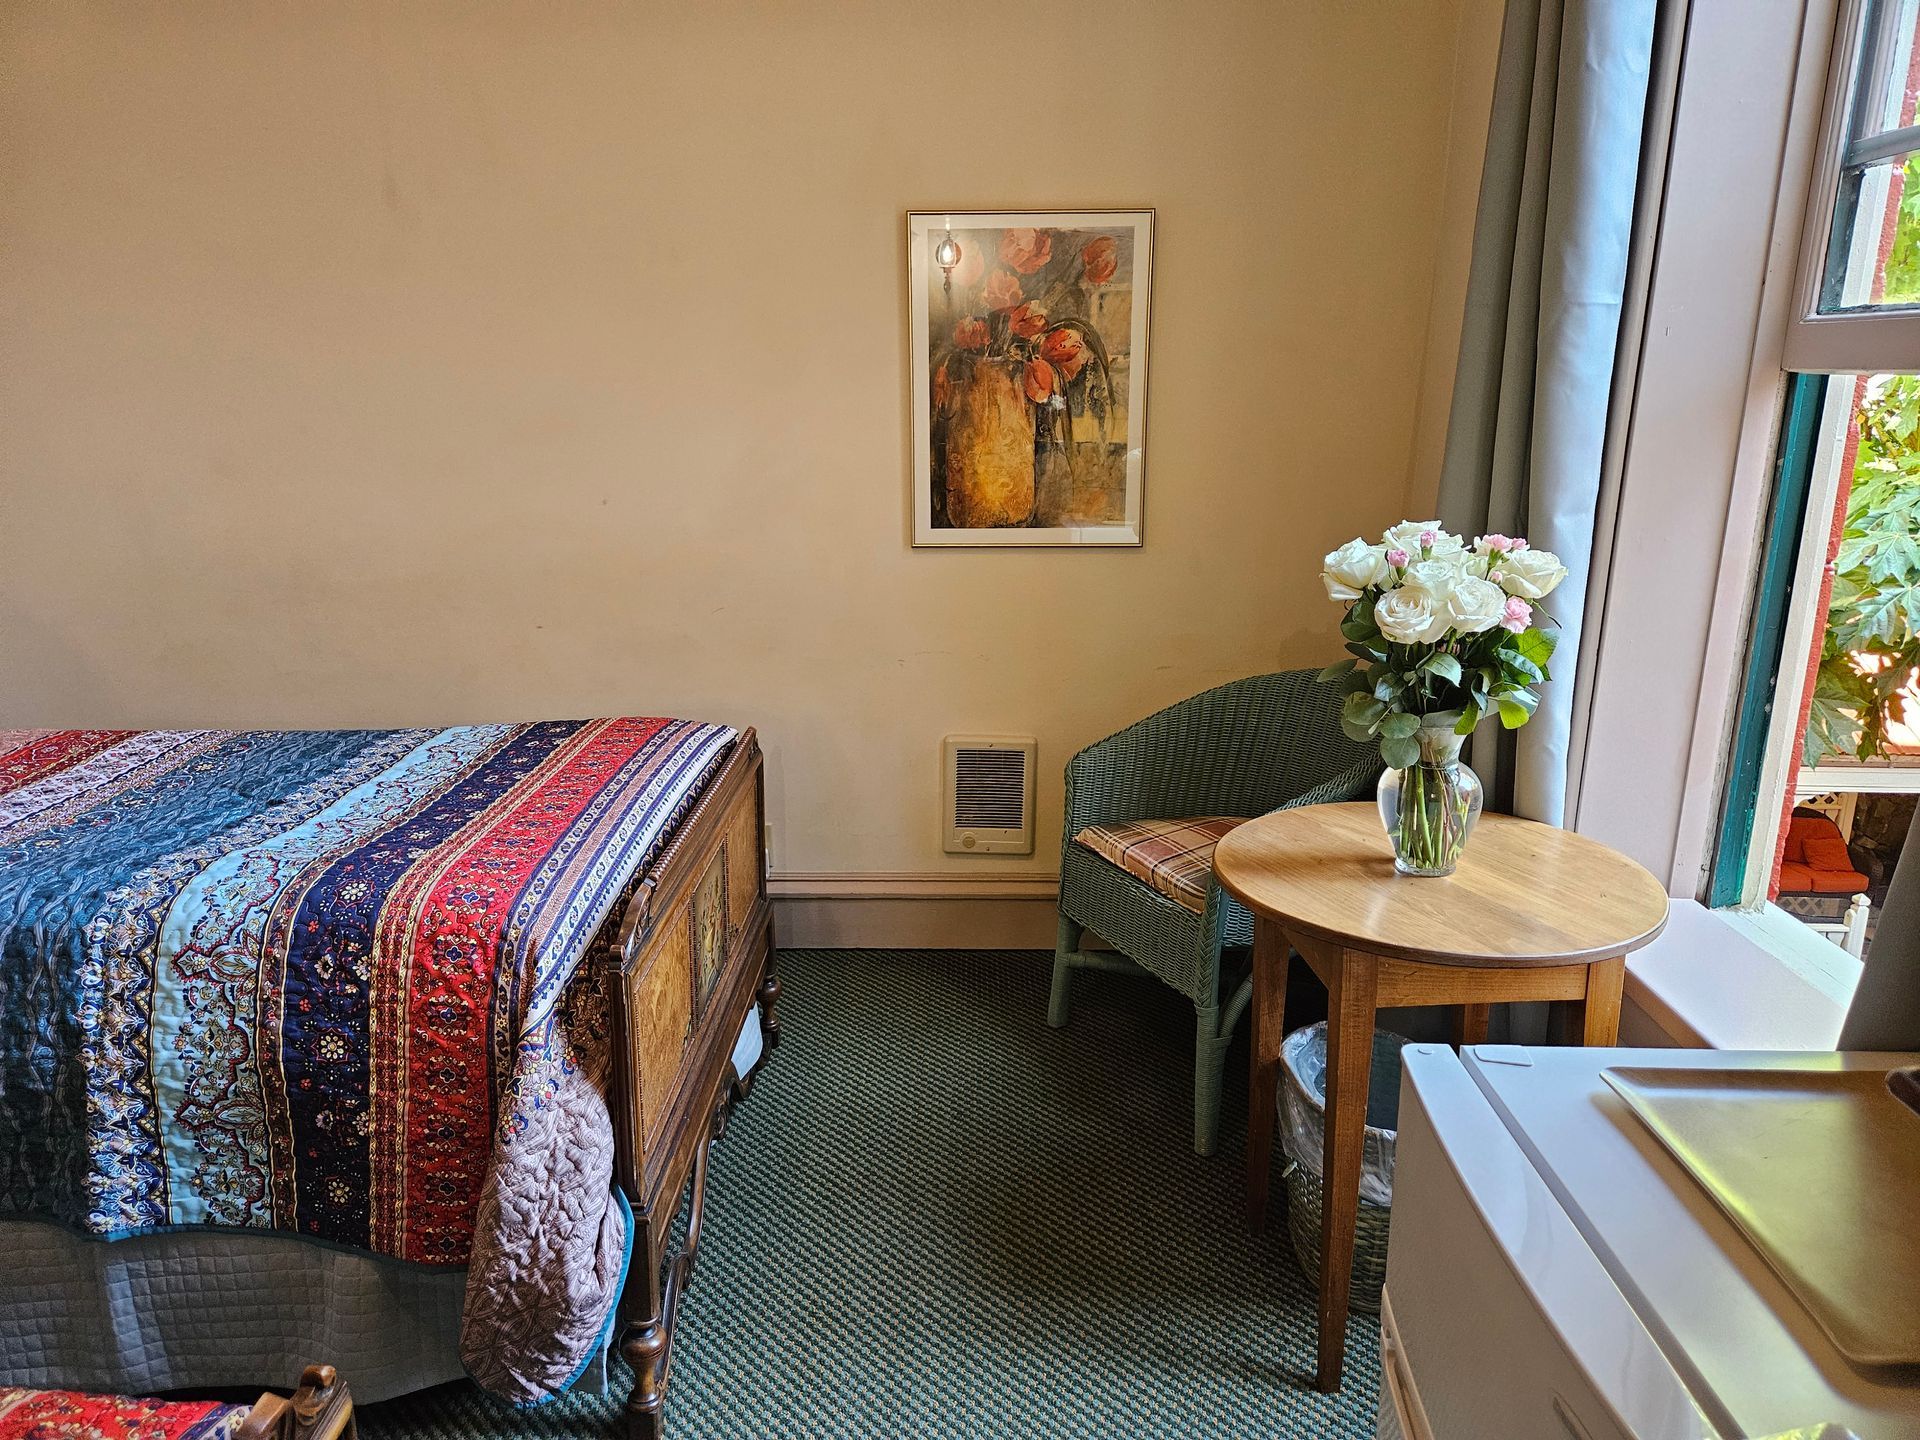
x: 1532, y: 913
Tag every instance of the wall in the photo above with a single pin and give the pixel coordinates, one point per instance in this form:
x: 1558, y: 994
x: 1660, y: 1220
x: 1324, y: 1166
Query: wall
x: 1476, y: 53
x: 374, y: 364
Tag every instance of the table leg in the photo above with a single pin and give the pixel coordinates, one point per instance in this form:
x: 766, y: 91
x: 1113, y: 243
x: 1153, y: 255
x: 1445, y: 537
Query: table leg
x: 1470, y: 1024
x: 1598, y: 1015
x: 1350, y: 1014
x: 1263, y: 1066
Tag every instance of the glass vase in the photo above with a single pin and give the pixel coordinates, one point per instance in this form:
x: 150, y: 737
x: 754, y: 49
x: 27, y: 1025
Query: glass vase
x: 1429, y: 808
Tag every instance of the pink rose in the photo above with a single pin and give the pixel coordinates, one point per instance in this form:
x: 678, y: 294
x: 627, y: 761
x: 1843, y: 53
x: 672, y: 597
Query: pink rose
x: 1398, y: 559
x: 1518, y: 615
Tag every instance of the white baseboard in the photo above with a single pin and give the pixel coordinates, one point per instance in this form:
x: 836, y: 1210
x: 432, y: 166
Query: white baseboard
x: 899, y: 911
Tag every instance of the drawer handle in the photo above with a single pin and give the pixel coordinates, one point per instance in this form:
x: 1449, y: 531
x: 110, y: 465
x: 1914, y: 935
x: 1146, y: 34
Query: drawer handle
x: 1568, y: 1421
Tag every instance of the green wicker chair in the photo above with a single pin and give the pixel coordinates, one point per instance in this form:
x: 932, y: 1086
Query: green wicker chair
x: 1243, y: 749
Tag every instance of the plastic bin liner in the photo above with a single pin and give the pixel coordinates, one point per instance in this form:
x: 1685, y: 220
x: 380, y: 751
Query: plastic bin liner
x: 1303, y: 1106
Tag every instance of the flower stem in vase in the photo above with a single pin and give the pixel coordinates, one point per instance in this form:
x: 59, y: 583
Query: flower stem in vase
x: 1430, y: 806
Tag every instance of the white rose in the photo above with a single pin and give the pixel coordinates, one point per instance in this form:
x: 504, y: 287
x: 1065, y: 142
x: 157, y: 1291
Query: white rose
x: 1474, y: 605
x: 1530, y: 574
x: 1406, y: 536
x: 1436, y: 577
x: 1352, y: 568
x: 1409, y: 616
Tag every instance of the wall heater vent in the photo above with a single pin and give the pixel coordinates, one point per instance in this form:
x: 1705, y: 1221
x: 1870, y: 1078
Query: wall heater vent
x: 987, y: 790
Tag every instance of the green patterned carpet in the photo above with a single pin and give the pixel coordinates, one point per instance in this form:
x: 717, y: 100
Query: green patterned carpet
x: 937, y: 1217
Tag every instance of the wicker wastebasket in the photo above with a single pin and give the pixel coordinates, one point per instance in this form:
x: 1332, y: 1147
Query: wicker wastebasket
x: 1303, y: 1117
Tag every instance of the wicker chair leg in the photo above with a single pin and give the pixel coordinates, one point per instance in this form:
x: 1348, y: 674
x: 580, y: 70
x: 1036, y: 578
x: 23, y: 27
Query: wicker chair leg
x: 1209, y: 1060
x: 1065, y: 948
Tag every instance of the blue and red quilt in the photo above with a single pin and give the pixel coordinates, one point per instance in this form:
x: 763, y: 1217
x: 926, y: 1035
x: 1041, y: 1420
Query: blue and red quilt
x: 324, y: 982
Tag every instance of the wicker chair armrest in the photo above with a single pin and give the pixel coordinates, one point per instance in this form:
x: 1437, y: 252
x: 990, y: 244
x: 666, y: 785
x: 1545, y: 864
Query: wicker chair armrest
x: 1356, y: 782
x: 1231, y: 750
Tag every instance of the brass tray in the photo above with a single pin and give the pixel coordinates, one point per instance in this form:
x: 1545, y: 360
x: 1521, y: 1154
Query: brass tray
x: 1820, y: 1169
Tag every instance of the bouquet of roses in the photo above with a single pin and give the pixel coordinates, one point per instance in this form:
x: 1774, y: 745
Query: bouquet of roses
x: 1440, y: 632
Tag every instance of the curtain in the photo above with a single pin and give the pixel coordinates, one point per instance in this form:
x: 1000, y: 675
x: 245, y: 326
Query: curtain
x: 1526, y: 436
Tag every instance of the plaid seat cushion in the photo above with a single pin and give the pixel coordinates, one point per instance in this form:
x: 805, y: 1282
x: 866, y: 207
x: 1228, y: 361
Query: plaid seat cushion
x: 1175, y: 857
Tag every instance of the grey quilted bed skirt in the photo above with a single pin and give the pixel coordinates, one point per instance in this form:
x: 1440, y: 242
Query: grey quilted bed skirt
x: 196, y: 1310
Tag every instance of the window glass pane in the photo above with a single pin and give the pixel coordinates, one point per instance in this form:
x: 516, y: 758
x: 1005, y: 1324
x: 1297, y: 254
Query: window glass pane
x: 1869, y: 262
x: 1856, y: 670
x: 1884, y: 92
x: 1876, y: 238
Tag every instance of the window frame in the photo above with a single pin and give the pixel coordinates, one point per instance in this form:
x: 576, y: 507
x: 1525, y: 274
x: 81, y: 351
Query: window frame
x: 1862, y: 340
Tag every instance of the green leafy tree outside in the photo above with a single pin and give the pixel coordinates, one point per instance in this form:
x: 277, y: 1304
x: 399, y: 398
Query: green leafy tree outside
x: 1876, y: 585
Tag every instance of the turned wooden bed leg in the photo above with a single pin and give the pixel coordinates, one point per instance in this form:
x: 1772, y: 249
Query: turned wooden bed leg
x: 645, y: 1350
x: 769, y: 996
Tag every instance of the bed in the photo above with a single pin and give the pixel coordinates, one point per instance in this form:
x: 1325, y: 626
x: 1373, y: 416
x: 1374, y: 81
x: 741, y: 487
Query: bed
x: 467, y: 1001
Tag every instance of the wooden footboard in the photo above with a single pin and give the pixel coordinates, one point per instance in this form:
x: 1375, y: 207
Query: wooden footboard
x: 695, y: 953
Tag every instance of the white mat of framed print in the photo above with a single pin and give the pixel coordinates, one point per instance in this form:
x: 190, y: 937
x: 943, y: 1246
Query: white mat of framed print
x: 1029, y: 365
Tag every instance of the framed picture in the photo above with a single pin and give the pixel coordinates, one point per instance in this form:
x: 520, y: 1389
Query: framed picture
x: 1029, y: 358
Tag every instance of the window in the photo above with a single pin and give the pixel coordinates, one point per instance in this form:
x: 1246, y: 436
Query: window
x: 1824, y: 771
x: 1859, y: 290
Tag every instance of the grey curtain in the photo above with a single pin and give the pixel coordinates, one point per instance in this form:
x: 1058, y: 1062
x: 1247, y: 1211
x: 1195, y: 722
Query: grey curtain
x: 1539, y: 341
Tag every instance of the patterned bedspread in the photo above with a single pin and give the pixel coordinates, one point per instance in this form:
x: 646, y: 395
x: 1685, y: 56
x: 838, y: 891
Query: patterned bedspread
x: 330, y: 983
x: 67, y: 1415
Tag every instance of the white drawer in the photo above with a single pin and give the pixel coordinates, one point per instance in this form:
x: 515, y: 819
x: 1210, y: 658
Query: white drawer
x: 1505, y: 1324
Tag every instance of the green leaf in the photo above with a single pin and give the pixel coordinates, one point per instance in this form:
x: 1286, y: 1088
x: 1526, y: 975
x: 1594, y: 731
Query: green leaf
x: 1469, y: 721
x: 1339, y: 670
x: 1359, y: 682
x: 1363, y: 712
x: 1444, y: 665
x: 1522, y: 671
x: 1534, y: 645
x: 1400, y: 726
x: 1366, y: 652
x: 1359, y: 626
x: 1399, y: 754
x: 1516, y: 709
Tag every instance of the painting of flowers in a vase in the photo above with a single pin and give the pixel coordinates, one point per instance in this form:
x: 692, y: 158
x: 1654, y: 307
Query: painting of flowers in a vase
x: 1029, y: 376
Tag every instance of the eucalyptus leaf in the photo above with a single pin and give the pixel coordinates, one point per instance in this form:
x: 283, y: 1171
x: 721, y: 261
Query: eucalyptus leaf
x: 1336, y: 671
x: 1444, y: 665
x: 1399, y: 754
x: 1363, y: 710
x: 1400, y: 726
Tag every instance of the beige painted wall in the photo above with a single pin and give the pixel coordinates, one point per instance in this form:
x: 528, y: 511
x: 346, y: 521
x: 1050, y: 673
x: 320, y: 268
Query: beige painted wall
x: 378, y: 364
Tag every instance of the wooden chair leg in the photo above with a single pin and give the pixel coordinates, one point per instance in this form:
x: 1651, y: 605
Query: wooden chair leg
x: 1066, y: 946
x: 1267, y: 1024
x: 1350, y: 1015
